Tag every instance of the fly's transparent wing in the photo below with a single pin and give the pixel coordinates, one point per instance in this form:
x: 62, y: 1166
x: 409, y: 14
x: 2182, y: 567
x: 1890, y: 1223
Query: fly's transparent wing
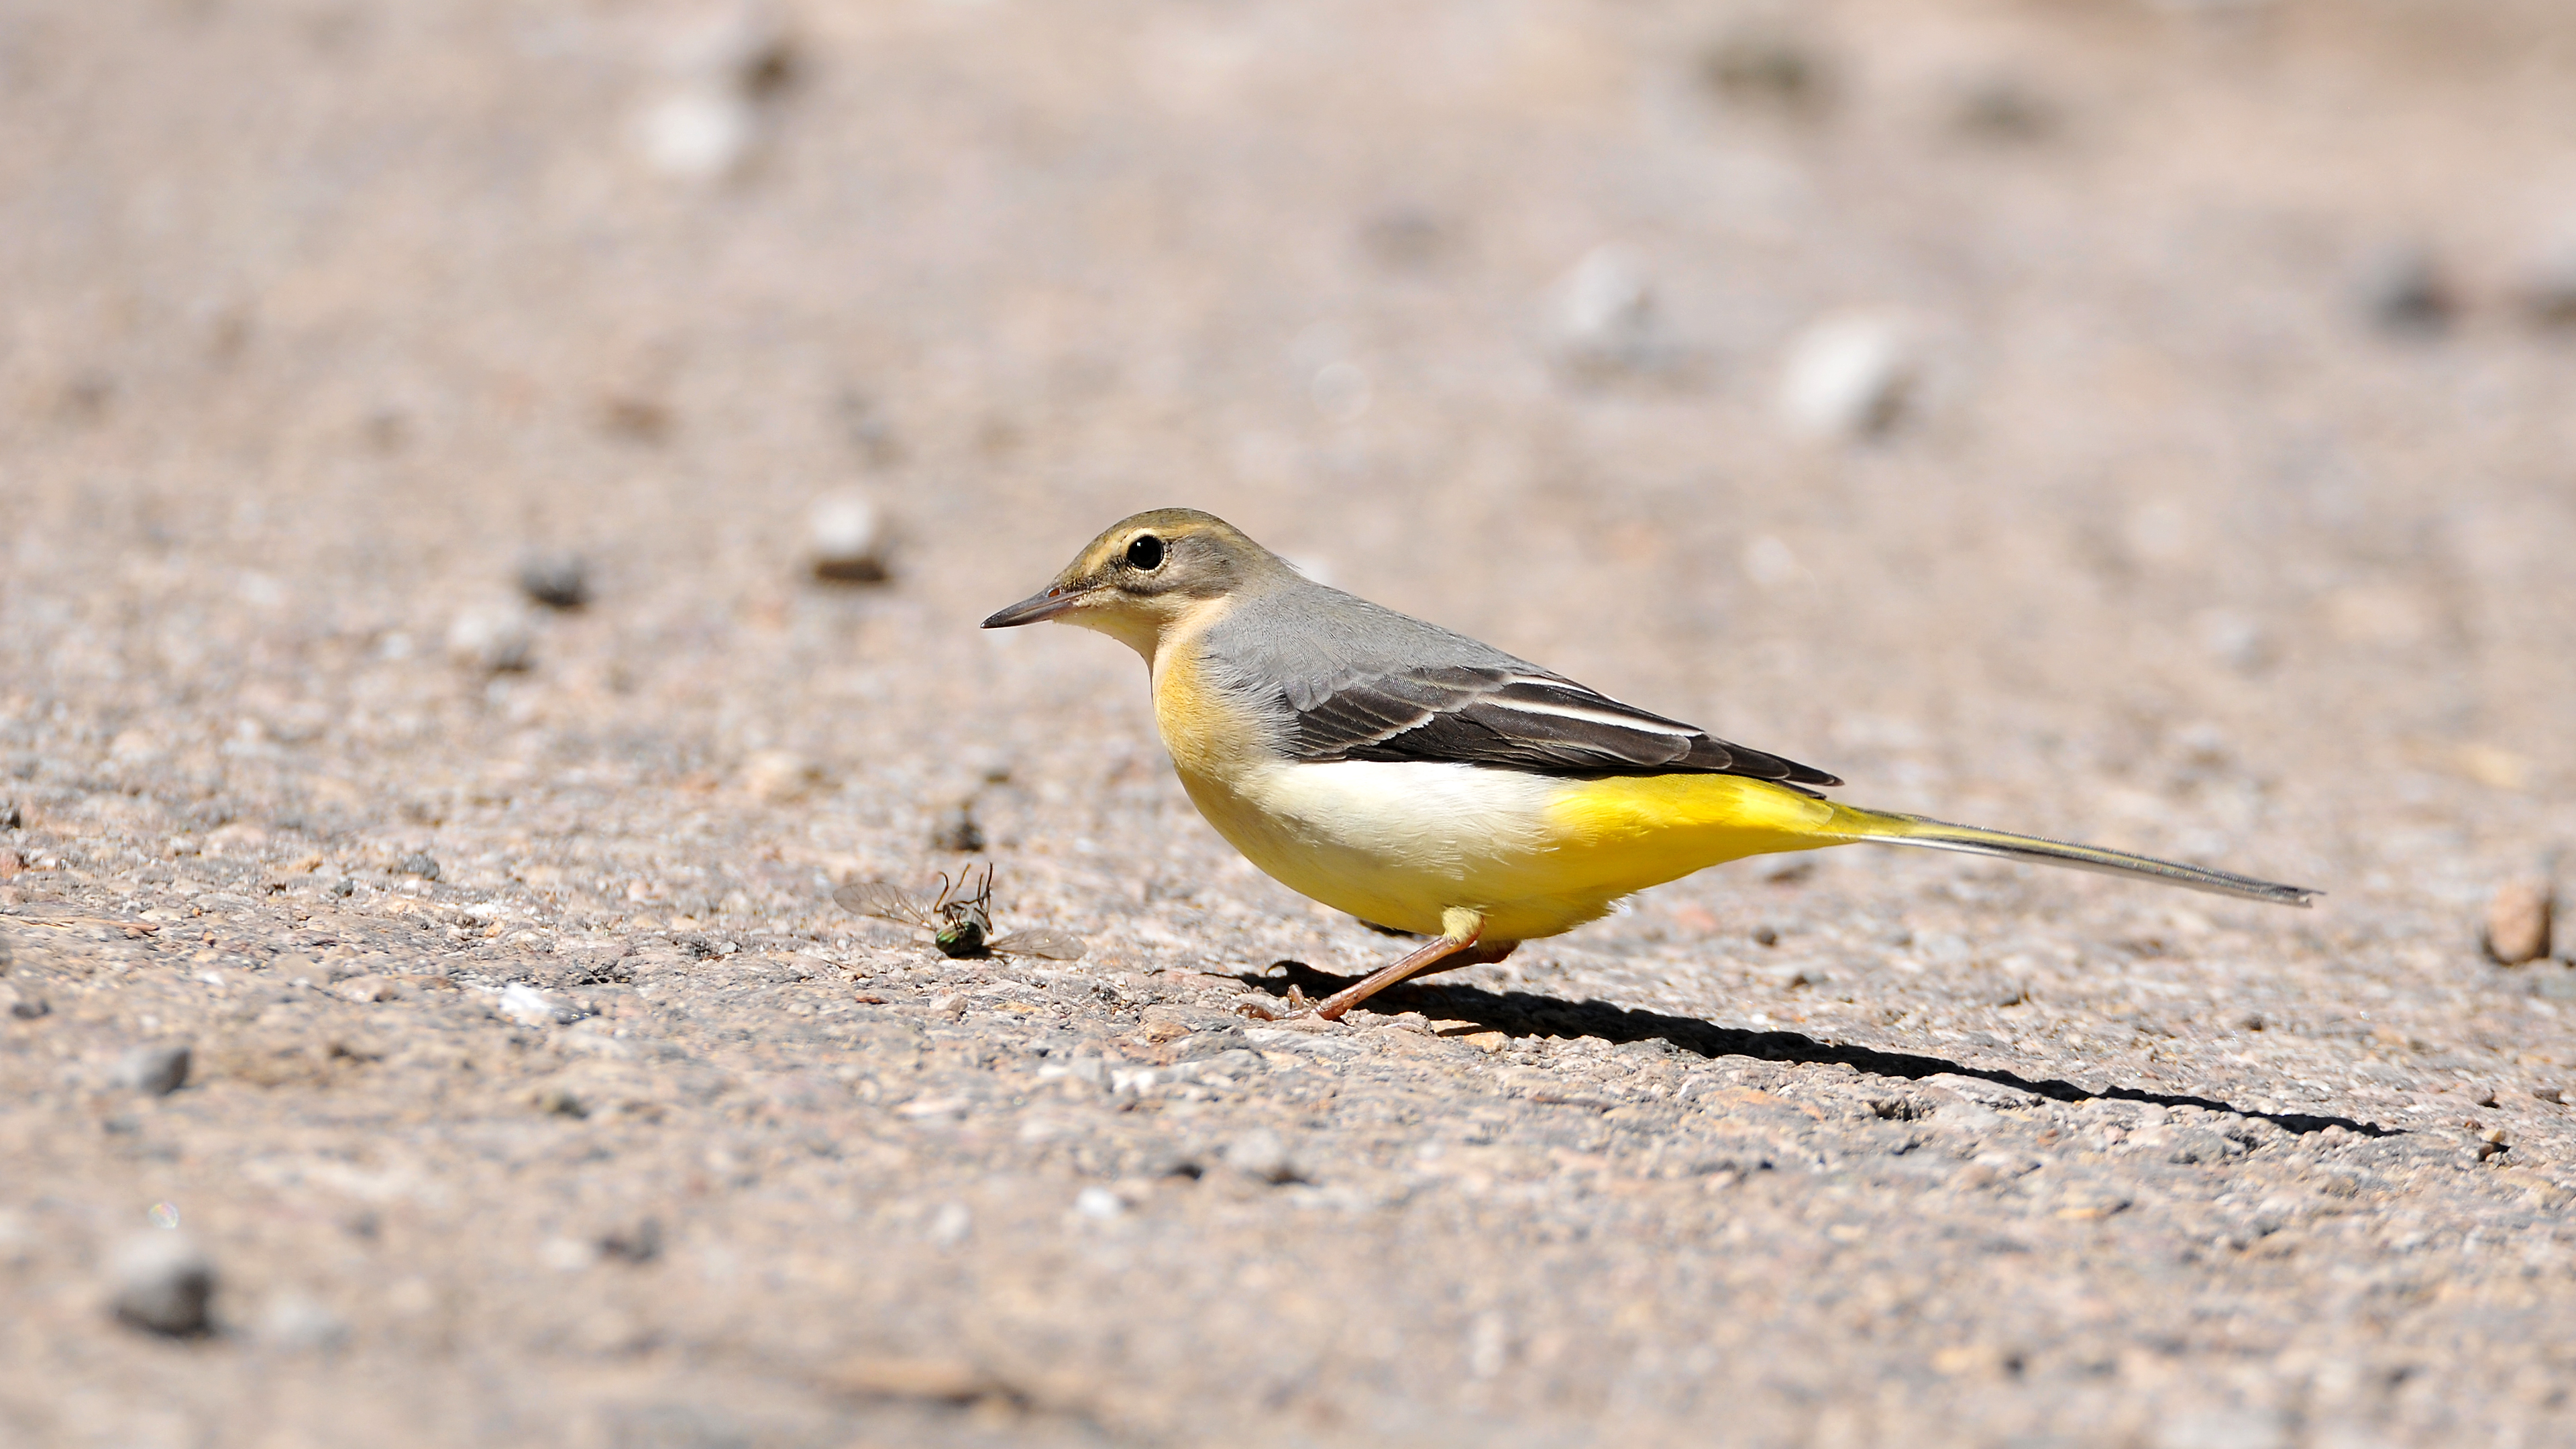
x: 1052, y: 945
x: 887, y: 901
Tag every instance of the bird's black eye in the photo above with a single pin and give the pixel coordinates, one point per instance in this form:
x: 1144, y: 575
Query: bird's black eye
x: 1146, y: 552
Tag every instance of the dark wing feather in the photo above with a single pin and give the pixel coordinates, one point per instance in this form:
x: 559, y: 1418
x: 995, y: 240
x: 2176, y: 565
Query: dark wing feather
x: 1349, y: 680
x: 1516, y: 719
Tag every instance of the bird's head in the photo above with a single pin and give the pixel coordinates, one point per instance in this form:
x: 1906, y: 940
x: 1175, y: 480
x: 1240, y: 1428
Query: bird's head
x: 1148, y: 574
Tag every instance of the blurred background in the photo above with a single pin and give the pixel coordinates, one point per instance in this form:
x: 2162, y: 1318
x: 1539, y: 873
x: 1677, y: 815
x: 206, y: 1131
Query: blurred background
x: 2159, y: 403
x: 1822, y: 370
x: 503, y: 492
x: 2138, y: 418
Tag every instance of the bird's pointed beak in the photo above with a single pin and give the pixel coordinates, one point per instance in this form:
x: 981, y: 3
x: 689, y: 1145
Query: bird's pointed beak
x: 1036, y: 608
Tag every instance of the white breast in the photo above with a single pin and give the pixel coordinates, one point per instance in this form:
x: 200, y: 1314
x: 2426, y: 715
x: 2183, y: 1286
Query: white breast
x: 1420, y: 812
x: 1392, y: 842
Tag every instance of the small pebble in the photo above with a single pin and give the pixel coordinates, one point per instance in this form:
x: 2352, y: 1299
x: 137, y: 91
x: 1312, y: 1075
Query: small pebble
x: 1261, y: 1155
x: 528, y: 1006
x: 1341, y: 392
x: 1848, y: 377
x: 22, y: 1007
x: 779, y: 775
x: 2004, y: 108
x: 1765, y: 66
x: 747, y: 49
x: 636, y: 418
x: 301, y: 1324
x: 698, y: 133
x: 957, y: 829
x: 495, y: 640
x: 156, y: 1069
x: 641, y: 1243
x: 162, y: 1282
x: 1605, y: 310
x: 420, y: 863
x: 2518, y: 921
x: 846, y: 539
x: 559, y: 1102
x: 2549, y: 295
x: 1098, y: 1204
x: 950, y: 1225
x: 556, y: 580
x: 2404, y: 291
x: 12, y: 817
x: 2233, y: 639
x: 1404, y: 238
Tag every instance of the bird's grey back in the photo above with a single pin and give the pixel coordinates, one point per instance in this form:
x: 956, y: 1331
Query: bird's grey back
x: 1334, y: 677
x: 1304, y: 642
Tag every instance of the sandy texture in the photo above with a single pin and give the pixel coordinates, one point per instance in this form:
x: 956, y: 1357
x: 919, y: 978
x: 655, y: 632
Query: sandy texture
x: 2189, y: 472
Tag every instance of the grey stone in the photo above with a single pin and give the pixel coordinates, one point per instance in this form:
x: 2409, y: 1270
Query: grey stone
x: 697, y: 133
x: 162, y: 1282
x: 420, y: 863
x: 556, y: 580
x: 2004, y: 108
x: 639, y: 1243
x: 494, y: 640
x: 957, y: 829
x: 528, y: 1006
x: 1211, y: 1042
x: 1768, y: 66
x: 1849, y: 376
x: 1235, y: 1061
x: 951, y: 1224
x: 2549, y: 294
x: 847, y: 540
x: 156, y: 1069
x: 1605, y: 311
x: 1261, y: 1154
x: 300, y: 1323
x: 2404, y: 291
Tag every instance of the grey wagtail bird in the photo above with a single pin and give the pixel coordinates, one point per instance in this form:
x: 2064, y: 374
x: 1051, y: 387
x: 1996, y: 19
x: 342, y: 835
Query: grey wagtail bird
x: 1425, y: 782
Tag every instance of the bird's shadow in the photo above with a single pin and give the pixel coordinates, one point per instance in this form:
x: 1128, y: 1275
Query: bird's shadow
x: 1521, y: 1013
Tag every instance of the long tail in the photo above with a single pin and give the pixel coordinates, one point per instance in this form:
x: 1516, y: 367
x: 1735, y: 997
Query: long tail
x: 1892, y: 829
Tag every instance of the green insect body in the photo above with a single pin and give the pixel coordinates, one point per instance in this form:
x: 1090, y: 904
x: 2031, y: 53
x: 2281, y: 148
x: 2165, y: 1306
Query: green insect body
x: 962, y: 931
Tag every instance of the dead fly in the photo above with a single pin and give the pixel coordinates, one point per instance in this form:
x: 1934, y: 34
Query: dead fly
x: 960, y: 925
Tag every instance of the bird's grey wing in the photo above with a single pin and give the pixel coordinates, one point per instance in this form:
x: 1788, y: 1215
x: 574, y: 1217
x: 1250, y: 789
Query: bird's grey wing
x: 1348, y: 680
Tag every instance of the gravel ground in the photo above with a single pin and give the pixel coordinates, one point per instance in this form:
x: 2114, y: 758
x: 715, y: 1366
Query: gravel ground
x: 426, y: 1016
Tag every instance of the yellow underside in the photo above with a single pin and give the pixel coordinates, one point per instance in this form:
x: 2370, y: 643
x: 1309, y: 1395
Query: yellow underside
x: 1623, y: 835
x: 1542, y: 857
x: 1408, y: 844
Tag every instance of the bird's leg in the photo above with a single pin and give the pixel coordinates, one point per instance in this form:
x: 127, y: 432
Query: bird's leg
x: 1462, y: 944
